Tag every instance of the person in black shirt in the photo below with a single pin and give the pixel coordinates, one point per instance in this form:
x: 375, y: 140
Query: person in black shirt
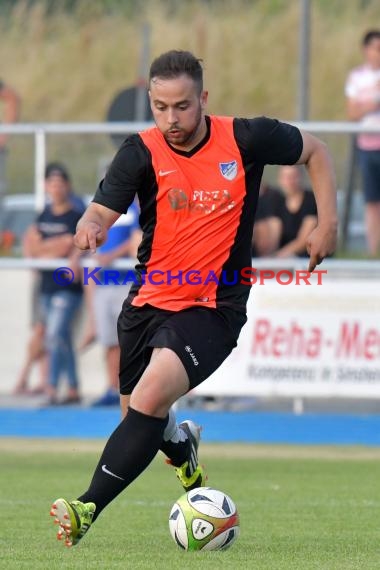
x: 264, y: 239
x: 292, y: 215
x: 52, y: 237
x: 35, y: 351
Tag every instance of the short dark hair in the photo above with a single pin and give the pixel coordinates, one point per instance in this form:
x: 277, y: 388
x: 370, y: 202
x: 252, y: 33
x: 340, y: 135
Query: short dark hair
x: 57, y: 169
x: 173, y: 63
x: 369, y: 36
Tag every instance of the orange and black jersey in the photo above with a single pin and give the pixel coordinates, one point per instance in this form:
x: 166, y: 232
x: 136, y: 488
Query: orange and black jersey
x: 197, y: 207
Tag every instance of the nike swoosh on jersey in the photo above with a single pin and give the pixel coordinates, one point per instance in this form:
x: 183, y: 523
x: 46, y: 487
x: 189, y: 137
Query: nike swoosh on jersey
x: 165, y: 172
x: 105, y: 470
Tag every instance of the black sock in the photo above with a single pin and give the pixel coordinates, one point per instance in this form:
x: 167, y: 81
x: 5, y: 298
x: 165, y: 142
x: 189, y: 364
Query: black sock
x: 129, y: 450
x: 178, y: 452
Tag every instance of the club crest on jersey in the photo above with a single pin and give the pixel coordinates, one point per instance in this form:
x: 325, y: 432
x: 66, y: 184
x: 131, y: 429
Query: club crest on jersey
x: 228, y: 169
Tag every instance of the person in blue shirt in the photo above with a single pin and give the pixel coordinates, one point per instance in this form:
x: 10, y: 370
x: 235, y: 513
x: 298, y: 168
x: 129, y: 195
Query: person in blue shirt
x: 104, y: 301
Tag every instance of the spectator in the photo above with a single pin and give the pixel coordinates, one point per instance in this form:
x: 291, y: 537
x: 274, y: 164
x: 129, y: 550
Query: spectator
x: 292, y: 216
x: 52, y: 237
x: 59, y: 169
x: 264, y: 235
x: 36, y: 353
x: 11, y: 111
x: 363, y: 104
x: 105, y: 300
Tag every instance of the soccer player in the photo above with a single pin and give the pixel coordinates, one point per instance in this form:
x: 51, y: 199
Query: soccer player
x: 197, y: 178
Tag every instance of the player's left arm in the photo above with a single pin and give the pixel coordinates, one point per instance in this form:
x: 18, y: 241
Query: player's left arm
x: 323, y: 239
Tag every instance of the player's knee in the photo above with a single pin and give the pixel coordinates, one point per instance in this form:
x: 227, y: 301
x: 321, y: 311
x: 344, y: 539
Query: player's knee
x: 150, y: 401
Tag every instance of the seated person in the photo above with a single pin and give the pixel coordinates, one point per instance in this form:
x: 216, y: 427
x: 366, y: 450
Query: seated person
x: 265, y: 238
x: 292, y: 216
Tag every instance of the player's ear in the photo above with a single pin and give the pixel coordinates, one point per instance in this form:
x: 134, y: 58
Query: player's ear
x: 204, y: 97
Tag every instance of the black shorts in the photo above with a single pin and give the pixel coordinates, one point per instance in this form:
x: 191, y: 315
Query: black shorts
x: 201, y: 337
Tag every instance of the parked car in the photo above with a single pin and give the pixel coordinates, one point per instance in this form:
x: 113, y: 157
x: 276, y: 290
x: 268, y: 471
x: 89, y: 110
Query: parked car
x: 18, y: 213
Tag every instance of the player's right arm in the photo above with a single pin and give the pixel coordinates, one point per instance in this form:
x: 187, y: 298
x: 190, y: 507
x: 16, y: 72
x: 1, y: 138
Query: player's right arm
x: 116, y: 192
x: 93, y: 226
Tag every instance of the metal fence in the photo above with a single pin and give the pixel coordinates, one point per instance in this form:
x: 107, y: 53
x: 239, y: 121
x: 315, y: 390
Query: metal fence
x: 40, y: 132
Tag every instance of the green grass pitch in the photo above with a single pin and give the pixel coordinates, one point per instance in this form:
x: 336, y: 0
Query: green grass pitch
x: 300, y: 508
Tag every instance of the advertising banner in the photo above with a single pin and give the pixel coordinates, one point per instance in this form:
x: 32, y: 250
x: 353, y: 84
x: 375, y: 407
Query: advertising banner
x: 306, y: 340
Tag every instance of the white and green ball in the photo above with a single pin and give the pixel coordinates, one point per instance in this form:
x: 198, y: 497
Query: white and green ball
x: 204, y: 519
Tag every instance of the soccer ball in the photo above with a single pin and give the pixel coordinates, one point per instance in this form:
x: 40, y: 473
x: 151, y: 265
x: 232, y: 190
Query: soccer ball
x: 204, y: 519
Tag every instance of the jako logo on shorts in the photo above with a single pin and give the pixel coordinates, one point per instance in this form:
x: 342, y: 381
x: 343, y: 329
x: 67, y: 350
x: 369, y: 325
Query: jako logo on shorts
x: 191, y: 353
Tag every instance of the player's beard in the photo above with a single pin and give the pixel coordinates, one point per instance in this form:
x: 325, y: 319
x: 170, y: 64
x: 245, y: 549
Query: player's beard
x: 186, y: 137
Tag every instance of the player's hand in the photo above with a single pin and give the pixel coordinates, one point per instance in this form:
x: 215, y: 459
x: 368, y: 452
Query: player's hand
x: 321, y: 243
x: 89, y: 235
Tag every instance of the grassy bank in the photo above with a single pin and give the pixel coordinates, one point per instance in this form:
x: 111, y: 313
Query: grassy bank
x: 69, y: 64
